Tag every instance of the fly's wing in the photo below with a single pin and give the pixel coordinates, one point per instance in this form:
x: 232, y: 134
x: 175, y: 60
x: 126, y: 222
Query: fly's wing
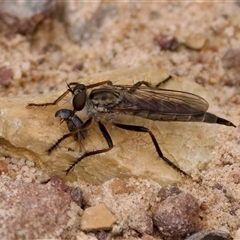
x: 160, y: 101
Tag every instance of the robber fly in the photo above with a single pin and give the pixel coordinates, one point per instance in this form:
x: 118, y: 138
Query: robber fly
x: 105, y: 101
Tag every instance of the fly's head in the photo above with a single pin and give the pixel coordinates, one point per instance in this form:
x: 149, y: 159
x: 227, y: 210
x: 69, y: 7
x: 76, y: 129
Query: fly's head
x: 79, y: 97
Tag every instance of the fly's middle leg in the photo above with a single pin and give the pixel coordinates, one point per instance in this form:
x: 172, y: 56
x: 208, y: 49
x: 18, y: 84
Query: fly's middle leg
x: 164, y: 81
x: 85, y: 125
x: 146, y: 130
x: 87, y: 154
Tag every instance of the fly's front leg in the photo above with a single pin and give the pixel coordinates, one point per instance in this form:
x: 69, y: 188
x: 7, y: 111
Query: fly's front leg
x: 108, y: 140
x: 85, y: 125
x: 56, y: 101
x: 146, y: 130
x: 66, y: 92
x: 49, y: 103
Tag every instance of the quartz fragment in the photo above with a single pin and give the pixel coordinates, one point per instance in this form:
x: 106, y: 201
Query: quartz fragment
x: 97, y: 218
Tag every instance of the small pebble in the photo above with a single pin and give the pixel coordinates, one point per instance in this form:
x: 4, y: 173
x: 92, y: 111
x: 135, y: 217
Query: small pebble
x: 210, y: 235
x: 97, y: 218
x: 104, y: 235
x: 25, y: 168
x: 6, y: 75
x: 29, y: 163
x: 22, y: 162
x: 17, y: 73
x: 231, y: 59
x: 3, y: 167
x: 147, y: 237
x: 231, y: 63
x: 119, y: 187
x: 25, y: 66
x: 167, y: 42
x: 58, y: 183
x: 24, y: 16
x: 141, y: 222
x: 177, y: 216
x: 76, y: 195
x: 196, y: 41
x: 166, y: 192
x: 237, y: 235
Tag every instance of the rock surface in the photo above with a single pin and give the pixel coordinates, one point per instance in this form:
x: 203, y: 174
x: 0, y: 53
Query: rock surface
x: 31, y: 131
x: 31, y: 211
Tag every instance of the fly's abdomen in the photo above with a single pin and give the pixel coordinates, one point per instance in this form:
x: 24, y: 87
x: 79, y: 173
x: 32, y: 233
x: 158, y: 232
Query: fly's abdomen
x: 203, y: 117
x: 211, y: 118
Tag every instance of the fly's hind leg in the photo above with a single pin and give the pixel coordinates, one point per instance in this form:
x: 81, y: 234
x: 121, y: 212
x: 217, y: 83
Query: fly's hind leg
x: 146, y: 130
x: 140, y: 83
x: 87, y: 154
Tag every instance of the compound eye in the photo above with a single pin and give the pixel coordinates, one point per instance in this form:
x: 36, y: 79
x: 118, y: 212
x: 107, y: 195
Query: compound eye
x: 79, y: 88
x: 79, y: 97
x: 79, y: 101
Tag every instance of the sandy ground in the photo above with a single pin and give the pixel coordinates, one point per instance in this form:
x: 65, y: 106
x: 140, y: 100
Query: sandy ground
x: 199, y: 41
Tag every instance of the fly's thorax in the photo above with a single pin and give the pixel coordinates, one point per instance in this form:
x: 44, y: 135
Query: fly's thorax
x: 105, y: 99
x: 94, y: 113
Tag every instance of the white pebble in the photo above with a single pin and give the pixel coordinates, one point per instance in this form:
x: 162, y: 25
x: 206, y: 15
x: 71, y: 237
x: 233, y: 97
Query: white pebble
x: 25, y: 66
x: 29, y: 163
x: 32, y: 170
x: 21, y: 161
x: 13, y: 167
x: 28, y: 179
x: 19, y: 177
x: 14, y: 160
x: 237, y: 235
x: 224, y: 229
x: 25, y: 168
x: 17, y: 73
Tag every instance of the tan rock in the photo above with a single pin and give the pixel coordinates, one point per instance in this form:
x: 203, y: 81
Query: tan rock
x: 97, y: 218
x: 31, y: 131
x: 119, y: 187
